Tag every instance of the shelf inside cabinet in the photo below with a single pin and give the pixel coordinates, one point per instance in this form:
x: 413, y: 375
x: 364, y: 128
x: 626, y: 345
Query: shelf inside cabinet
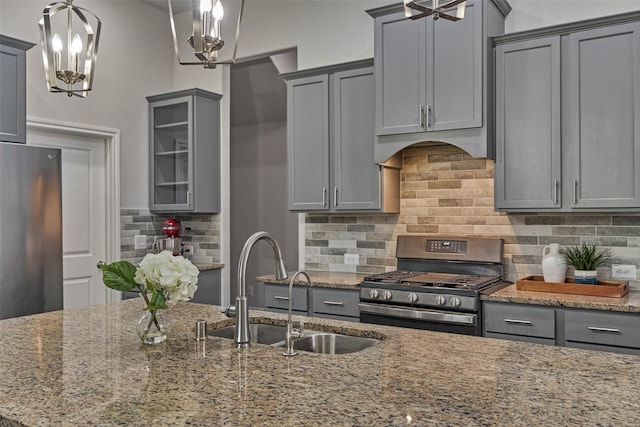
x: 172, y: 153
x: 168, y: 184
x: 172, y: 126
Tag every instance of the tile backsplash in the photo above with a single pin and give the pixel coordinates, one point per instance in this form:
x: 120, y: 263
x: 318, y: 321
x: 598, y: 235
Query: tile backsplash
x: 444, y: 191
x: 202, y: 231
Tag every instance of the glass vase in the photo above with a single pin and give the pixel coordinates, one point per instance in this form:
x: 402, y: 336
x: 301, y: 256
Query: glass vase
x: 153, y: 327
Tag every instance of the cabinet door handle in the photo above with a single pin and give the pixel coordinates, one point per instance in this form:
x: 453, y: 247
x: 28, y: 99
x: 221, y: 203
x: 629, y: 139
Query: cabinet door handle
x: 278, y: 297
x: 335, y: 196
x: 519, y: 322
x: 333, y: 302
x: 555, y: 191
x: 428, y: 116
x: 188, y: 198
x: 421, y: 115
x: 324, y: 196
x: 575, y: 191
x: 598, y: 329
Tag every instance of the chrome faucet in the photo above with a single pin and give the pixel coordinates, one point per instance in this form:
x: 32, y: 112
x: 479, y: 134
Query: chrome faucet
x: 241, y: 309
x: 292, y: 333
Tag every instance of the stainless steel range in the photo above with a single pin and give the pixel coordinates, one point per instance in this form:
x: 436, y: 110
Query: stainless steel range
x: 437, y: 285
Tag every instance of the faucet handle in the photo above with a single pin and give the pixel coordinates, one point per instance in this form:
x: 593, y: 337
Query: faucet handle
x: 229, y: 311
x: 301, y: 330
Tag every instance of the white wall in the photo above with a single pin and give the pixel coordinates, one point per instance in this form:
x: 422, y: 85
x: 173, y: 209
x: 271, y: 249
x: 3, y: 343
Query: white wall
x: 527, y: 14
x: 131, y: 65
x: 136, y: 58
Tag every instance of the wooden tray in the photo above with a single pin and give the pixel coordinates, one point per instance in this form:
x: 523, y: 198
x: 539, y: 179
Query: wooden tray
x: 604, y: 288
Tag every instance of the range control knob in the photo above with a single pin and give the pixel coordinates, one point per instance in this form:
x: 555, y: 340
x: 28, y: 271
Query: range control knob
x: 386, y: 295
x: 455, y: 301
x: 440, y: 300
x: 374, y: 294
x: 413, y: 297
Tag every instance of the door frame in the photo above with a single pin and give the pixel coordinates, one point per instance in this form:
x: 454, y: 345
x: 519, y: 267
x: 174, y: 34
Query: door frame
x: 111, y: 138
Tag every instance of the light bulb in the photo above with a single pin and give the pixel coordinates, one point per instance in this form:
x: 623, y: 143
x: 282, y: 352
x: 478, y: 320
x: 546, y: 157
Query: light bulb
x: 76, y: 44
x: 218, y: 11
x: 205, y: 5
x: 56, y: 43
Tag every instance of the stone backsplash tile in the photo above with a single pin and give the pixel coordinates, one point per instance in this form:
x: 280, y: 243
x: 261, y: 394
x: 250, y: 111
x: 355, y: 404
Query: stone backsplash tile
x: 445, y: 191
x: 200, y: 231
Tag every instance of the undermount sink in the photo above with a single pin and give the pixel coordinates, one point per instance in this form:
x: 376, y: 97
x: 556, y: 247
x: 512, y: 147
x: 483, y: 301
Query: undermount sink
x: 314, y: 341
x: 326, y: 343
x: 259, y: 333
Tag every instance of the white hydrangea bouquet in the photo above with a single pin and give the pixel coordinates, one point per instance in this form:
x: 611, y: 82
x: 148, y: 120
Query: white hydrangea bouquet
x: 160, y: 278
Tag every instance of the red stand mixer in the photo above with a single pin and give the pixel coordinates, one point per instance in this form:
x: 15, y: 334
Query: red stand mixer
x: 171, y: 228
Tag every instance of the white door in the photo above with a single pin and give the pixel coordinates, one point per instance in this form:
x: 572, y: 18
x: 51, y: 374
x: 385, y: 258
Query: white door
x: 83, y: 214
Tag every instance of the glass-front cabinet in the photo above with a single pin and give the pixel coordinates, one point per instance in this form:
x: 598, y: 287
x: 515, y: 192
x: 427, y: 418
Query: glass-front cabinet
x: 184, y: 152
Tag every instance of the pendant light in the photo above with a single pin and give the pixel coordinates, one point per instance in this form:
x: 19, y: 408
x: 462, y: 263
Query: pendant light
x: 69, y: 47
x: 435, y: 10
x: 206, y: 38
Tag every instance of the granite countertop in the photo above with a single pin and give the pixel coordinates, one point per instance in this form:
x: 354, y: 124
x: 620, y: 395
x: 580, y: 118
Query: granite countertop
x: 213, y: 266
x: 628, y: 303
x: 87, y: 367
x: 322, y: 279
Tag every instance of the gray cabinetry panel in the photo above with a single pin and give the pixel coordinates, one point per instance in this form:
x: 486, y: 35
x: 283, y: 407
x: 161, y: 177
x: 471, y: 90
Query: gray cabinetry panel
x: 277, y: 296
x: 184, y: 152
x: 335, y: 302
x: 13, y: 89
x: 330, y: 142
x: 400, y: 49
x: 518, y: 319
x: 602, y: 328
x: 208, y: 287
x: 356, y: 176
x: 604, y: 121
x: 308, y: 142
x: 528, y: 151
x: 454, y: 71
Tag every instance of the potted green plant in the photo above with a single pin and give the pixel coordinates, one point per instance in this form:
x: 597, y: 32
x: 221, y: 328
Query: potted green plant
x: 585, y: 260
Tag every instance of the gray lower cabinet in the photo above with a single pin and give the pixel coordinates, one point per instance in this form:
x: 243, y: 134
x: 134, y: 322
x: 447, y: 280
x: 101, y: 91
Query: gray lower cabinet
x: 519, y: 322
x: 606, y: 331
x: 184, y: 152
x: 567, y: 117
x: 13, y: 89
x: 335, y: 303
x: 208, y: 287
x: 579, y: 328
x: 313, y: 301
x: 276, y: 298
x: 330, y: 142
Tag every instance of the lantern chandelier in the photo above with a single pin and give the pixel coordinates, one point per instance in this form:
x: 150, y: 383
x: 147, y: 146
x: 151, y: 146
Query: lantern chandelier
x: 206, y: 36
x: 69, y: 63
x: 435, y: 10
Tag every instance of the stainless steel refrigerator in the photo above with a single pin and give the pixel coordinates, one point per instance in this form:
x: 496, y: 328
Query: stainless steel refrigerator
x: 30, y: 230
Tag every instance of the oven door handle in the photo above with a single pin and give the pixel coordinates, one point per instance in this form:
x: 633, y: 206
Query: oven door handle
x: 419, y: 314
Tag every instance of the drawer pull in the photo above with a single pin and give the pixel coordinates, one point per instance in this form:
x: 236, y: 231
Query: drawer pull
x: 519, y: 322
x: 598, y: 329
x: 281, y: 298
x: 334, y: 303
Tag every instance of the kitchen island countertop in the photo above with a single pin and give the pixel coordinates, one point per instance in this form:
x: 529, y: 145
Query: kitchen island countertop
x: 87, y: 367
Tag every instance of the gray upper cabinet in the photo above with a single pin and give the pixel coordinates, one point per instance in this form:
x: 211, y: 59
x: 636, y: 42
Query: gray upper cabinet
x: 604, y: 117
x: 430, y: 78
x: 330, y: 142
x: 429, y: 73
x: 13, y: 89
x: 527, y: 164
x: 568, y: 117
x: 184, y: 152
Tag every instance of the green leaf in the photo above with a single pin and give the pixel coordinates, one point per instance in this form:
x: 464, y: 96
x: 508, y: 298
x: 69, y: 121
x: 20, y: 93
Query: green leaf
x: 157, y: 300
x: 119, y: 275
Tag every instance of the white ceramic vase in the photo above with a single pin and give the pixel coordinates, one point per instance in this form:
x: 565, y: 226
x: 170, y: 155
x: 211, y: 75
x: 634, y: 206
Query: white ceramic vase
x: 554, y: 265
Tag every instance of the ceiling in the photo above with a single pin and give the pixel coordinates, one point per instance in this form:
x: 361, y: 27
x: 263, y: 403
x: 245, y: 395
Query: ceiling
x: 178, y: 5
